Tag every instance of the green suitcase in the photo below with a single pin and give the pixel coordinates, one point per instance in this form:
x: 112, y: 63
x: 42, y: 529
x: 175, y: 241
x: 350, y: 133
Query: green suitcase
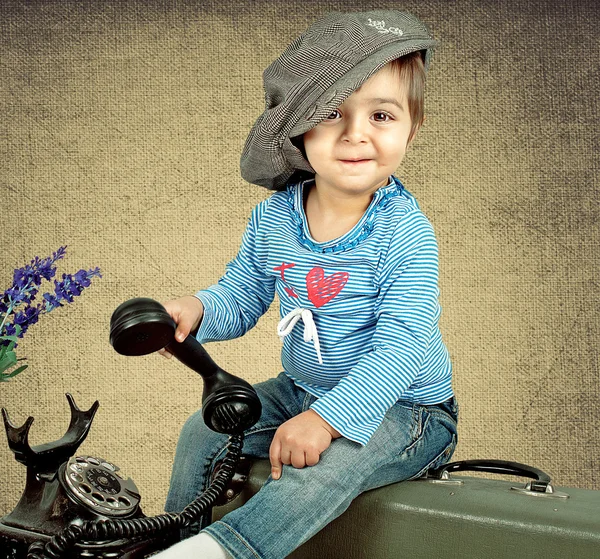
x: 455, y: 517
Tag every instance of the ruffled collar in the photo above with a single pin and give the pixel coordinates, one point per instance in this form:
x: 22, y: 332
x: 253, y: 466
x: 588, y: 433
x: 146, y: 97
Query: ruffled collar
x: 353, y: 237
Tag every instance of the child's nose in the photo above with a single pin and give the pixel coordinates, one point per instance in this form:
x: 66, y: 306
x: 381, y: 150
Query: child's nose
x: 355, y: 131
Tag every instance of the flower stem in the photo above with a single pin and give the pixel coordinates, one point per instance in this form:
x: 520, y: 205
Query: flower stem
x: 5, y: 318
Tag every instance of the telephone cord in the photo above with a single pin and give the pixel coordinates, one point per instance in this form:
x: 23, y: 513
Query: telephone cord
x: 116, y: 528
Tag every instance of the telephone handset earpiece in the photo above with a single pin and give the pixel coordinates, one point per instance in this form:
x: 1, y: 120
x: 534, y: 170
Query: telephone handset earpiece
x: 141, y: 326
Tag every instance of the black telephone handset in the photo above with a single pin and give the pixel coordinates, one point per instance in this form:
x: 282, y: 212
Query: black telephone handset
x: 80, y: 506
x: 141, y: 326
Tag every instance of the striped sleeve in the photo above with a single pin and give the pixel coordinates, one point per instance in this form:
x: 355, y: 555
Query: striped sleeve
x: 406, y: 313
x: 243, y: 294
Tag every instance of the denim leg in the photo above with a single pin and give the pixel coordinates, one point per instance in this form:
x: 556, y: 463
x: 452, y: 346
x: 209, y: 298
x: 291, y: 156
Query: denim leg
x: 287, y: 512
x: 199, y: 448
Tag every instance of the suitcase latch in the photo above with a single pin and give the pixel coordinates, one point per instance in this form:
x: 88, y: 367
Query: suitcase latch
x: 538, y: 488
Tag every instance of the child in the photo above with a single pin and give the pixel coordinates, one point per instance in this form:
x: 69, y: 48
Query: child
x: 365, y: 396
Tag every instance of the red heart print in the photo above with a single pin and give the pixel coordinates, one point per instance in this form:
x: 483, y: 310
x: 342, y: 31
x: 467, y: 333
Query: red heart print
x: 323, y: 289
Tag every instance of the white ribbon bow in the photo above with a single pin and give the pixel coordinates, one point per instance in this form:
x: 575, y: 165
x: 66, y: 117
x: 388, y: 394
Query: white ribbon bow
x: 287, y: 323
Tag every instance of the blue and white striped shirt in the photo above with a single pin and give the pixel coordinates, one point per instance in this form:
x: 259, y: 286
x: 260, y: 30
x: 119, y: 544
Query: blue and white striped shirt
x: 373, y: 295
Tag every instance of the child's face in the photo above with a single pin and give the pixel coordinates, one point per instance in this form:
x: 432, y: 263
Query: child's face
x: 356, y: 149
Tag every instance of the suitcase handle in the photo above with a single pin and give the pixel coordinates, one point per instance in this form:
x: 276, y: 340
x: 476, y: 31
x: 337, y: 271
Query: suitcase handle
x: 541, y: 483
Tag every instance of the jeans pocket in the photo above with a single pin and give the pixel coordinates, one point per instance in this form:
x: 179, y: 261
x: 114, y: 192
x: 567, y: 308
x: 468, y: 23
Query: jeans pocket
x: 449, y: 407
x: 445, y: 455
x: 441, y: 459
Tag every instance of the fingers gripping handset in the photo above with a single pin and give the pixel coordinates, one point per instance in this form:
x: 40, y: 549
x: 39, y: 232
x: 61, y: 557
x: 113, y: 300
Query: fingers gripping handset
x: 141, y: 326
x: 187, y: 312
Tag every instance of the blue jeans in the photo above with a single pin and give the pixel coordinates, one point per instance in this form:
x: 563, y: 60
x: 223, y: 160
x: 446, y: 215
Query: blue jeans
x: 287, y: 512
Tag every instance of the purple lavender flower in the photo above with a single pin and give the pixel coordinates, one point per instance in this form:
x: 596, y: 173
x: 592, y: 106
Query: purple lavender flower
x: 26, y: 318
x: 71, y: 286
x: 52, y: 302
x: 26, y: 280
x: 25, y: 287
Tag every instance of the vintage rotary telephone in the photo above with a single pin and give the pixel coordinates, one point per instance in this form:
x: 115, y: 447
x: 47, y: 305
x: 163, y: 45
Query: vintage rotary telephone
x: 80, y: 507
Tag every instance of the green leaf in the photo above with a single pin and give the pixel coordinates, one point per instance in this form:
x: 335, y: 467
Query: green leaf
x: 10, y: 346
x: 11, y: 338
x: 8, y: 360
x: 4, y: 376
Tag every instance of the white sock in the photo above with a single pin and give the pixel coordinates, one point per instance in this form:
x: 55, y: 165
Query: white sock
x: 200, y: 546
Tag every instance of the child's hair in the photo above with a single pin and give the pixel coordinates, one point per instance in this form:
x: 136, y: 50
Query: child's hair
x: 410, y: 70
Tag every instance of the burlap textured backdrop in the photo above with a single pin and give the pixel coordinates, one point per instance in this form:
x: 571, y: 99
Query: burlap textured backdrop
x: 121, y: 129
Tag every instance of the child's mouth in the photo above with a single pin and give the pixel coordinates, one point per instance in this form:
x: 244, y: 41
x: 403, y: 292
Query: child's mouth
x: 354, y: 161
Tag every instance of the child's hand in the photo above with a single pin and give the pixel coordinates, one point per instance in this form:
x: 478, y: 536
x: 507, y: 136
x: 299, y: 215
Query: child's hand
x: 187, y: 313
x: 300, y: 442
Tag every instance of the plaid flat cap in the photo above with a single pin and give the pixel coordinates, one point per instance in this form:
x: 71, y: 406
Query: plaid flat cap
x: 314, y: 75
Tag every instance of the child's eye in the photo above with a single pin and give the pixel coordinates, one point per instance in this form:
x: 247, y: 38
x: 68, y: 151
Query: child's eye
x: 335, y: 114
x: 381, y: 117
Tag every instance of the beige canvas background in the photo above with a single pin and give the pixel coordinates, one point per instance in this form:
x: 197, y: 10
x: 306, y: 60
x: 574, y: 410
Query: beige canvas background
x: 120, y: 134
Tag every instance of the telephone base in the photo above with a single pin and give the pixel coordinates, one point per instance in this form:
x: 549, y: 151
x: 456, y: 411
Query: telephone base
x: 14, y: 543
